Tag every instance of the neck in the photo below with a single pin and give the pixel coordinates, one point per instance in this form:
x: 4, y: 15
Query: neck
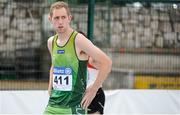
x: 66, y: 34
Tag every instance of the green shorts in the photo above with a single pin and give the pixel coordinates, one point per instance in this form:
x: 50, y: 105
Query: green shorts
x: 58, y: 110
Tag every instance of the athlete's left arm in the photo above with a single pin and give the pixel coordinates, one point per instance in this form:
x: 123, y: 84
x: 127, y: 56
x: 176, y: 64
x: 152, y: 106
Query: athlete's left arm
x: 94, y: 63
x: 104, y: 63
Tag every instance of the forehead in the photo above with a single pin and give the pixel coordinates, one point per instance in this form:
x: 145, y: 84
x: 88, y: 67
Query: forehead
x: 59, y: 12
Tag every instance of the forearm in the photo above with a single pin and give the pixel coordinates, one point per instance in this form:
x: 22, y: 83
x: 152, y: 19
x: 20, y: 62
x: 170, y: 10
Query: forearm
x: 50, y: 80
x: 104, y: 70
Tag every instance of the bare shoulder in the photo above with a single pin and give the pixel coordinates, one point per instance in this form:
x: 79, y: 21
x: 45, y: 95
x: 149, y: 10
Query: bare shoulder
x: 85, y: 45
x: 82, y: 40
x: 80, y: 36
x: 49, y: 43
x: 50, y: 39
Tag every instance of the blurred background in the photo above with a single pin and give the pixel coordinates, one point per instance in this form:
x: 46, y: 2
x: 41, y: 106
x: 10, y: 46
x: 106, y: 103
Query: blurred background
x: 141, y: 37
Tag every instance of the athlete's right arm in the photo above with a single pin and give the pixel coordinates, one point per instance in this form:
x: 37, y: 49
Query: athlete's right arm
x: 50, y: 80
x: 49, y: 45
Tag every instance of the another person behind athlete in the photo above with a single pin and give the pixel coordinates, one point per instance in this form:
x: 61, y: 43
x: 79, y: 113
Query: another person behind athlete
x: 67, y: 82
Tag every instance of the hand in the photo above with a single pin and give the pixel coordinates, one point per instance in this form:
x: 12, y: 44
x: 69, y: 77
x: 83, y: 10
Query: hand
x: 90, y: 93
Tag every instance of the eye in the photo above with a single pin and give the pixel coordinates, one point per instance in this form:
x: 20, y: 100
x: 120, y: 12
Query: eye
x: 63, y: 17
x: 56, y: 18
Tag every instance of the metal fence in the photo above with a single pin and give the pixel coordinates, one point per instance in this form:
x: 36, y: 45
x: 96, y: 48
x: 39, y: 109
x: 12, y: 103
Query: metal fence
x: 142, y: 39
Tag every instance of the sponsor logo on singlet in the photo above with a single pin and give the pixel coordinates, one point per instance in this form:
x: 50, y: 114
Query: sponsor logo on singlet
x: 60, y: 51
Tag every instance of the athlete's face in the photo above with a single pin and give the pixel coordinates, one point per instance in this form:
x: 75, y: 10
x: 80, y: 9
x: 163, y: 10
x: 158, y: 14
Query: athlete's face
x: 60, y: 20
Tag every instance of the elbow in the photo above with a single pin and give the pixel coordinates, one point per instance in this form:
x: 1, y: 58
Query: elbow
x: 105, y: 64
x: 109, y: 65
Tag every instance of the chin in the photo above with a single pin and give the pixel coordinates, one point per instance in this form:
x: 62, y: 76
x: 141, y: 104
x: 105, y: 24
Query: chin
x: 61, y: 31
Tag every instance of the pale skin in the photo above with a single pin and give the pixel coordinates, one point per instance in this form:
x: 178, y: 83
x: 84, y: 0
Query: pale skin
x: 61, y: 23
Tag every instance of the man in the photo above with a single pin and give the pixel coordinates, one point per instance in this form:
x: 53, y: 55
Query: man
x: 67, y: 83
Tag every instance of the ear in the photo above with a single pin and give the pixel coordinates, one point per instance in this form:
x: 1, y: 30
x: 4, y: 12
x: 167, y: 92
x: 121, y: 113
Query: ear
x: 50, y: 18
x: 70, y: 17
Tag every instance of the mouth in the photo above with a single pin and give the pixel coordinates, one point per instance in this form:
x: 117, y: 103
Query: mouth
x: 60, y: 27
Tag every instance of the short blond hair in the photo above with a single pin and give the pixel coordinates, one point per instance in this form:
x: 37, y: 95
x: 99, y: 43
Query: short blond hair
x: 58, y: 5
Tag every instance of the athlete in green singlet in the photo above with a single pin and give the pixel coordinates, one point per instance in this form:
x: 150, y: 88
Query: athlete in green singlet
x: 68, y: 73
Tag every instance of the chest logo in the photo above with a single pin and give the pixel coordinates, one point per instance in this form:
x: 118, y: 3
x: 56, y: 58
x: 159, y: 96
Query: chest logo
x: 60, y: 51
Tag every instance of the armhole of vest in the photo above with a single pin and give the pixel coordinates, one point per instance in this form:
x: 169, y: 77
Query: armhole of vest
x: 54, y: 39
x: 76, y: 33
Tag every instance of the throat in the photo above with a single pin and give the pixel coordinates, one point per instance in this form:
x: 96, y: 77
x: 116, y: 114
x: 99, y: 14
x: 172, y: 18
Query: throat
x: 64, y: 38
x: 62, y: 41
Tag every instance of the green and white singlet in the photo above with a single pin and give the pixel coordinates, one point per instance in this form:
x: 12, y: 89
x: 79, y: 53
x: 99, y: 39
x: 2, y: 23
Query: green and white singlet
x: 69, y: 79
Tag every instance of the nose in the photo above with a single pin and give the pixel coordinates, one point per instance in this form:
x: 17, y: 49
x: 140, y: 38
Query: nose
x: 60, y: 21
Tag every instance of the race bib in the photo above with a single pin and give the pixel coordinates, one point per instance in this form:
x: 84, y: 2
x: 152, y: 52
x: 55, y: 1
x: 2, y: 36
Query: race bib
x: 62, y: 79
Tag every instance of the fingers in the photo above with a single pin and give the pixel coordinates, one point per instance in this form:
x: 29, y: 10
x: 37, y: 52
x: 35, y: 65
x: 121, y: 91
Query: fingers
x: 82, y: 102
x: 85, y: 102
x: 88, y: 97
